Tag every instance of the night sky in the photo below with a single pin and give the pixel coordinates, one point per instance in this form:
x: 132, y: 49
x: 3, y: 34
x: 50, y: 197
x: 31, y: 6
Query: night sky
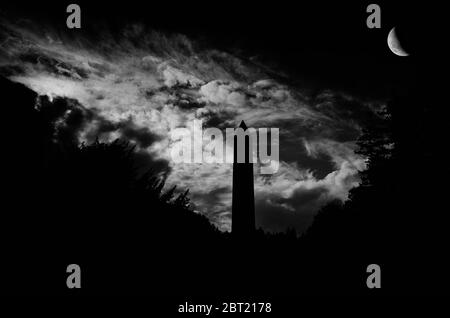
x: 138, y: 71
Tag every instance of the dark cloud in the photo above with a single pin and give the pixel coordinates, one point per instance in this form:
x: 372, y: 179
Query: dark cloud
x: 305, y: 201
x: 139, y: 85
x: 276, y: 218
x: 67, y: 118
x: 297, y: 211
x: 145, y: 162
x: 142, y: 136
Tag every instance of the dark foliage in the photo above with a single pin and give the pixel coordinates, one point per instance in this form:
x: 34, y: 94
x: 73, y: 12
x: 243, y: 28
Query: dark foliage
x: 90, y: 204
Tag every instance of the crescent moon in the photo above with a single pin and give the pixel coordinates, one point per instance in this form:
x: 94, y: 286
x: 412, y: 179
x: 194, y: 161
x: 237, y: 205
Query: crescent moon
x: 395, y: 45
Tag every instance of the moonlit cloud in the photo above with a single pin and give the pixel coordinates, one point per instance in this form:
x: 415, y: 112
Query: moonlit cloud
x: 142, y: 89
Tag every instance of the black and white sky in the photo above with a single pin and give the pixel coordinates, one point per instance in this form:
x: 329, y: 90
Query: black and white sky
x: 139, y: 71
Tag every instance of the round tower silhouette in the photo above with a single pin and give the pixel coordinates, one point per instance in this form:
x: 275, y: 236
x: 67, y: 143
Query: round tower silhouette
x: 243, y: 202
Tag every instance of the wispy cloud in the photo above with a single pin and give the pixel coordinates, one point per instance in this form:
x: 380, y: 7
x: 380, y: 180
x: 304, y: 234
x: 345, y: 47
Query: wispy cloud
x: 145, y: 84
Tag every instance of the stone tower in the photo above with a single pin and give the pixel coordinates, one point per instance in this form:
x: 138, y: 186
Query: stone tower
x: 243, y: 204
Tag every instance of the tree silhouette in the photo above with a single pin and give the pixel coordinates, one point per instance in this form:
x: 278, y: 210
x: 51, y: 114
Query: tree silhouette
x: 93, y: 205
